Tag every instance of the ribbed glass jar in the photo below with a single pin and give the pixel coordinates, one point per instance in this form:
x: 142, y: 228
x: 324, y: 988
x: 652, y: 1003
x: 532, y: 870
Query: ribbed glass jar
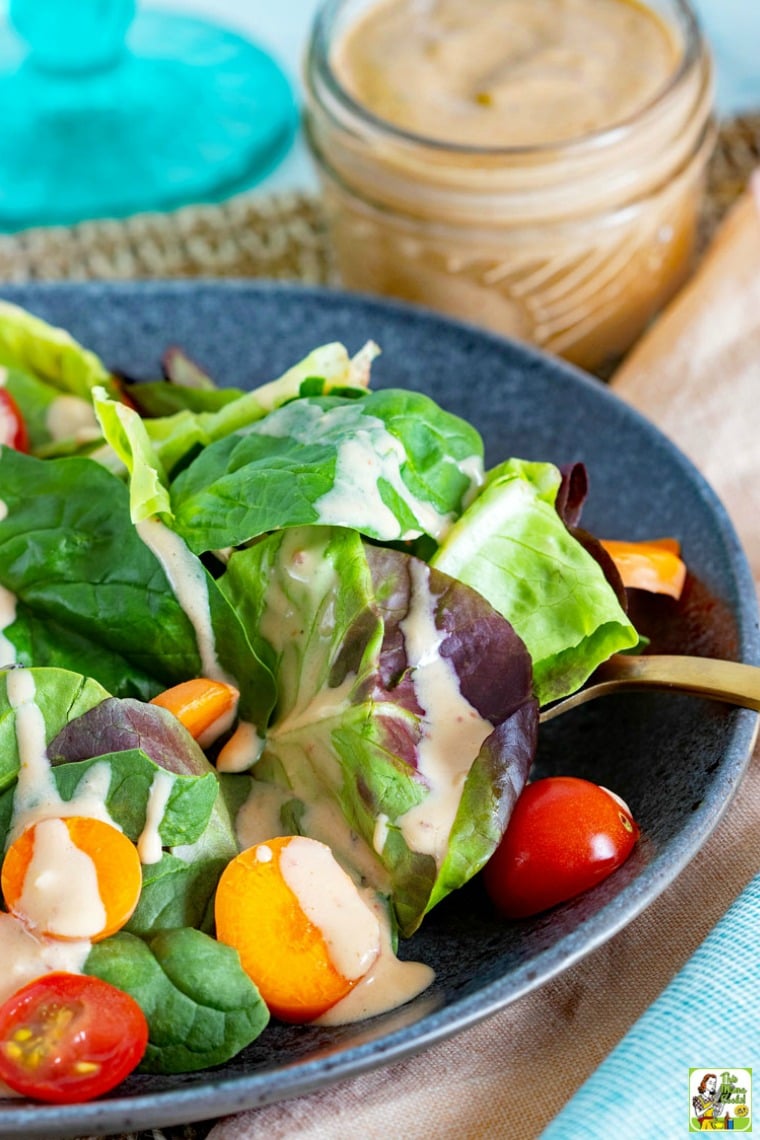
x: 574, y: 246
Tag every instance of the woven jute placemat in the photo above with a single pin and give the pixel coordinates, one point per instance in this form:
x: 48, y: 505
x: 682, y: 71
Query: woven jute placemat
x: 282, y: 238
x: 279, y: 237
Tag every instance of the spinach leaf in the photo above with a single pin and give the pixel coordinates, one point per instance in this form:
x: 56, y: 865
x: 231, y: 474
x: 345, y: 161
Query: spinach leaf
x: 177, y: 892
x: 392, y: 465
x: 201, y: 1007
x: 91, y: 596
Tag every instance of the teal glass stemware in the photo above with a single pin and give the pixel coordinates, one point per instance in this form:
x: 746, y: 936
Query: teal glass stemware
x: 108, y: 109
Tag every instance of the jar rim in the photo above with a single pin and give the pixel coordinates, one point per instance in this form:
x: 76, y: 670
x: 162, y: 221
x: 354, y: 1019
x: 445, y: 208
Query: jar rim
x: 318, y: 63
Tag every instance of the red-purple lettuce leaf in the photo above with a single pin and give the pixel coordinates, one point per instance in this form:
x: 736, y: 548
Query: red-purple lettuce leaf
x: 331, y: 616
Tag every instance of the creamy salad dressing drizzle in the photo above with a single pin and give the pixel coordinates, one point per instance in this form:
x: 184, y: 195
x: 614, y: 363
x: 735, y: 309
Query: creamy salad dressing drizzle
x: 25, y: 956
x: 218, y: 727
x: 388, y: 983
x: 453, y: 730
x: 35, y: 787
x: 370, y: 455
x: 36, y: 795
x: 259, y: 819
x: 380, y: 833
x: 331, y: 902
x: 71, y: 417
x: 149, y: 846
x: 61, y: 894
x: 355, y: 927
x: 187, y: 579
x: 242, y: 750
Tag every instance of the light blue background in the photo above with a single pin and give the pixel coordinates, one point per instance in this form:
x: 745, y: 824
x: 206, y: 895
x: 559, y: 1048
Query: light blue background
x: 733, y: 29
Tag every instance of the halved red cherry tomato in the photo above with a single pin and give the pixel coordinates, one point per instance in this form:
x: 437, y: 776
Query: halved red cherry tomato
x: 12, y: 426
x: 564, y: 836
x: 66, y: 1038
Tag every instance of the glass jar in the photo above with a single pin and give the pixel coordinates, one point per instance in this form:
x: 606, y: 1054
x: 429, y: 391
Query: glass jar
x: 573, y: 245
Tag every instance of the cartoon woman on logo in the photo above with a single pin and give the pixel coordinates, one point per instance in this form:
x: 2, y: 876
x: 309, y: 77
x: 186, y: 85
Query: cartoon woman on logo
x: 708, y: 1106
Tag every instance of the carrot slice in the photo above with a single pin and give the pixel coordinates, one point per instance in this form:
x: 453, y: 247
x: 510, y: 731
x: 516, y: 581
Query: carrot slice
x: 72, y: 878
x: 654, y: 565
x: 292, y: 959
x: 201, y: 704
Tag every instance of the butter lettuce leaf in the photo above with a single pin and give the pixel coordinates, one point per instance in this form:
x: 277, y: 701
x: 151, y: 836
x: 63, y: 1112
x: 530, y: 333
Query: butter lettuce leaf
x: 50, y: 354
x: 125, y: 431
x: 326, y: 369
x: 511, y: 545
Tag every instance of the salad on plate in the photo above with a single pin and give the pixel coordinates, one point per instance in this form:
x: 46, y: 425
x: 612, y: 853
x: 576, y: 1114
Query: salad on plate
x: 271, y: 666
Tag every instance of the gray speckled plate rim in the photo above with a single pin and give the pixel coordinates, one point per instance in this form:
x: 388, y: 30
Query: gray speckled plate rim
x: 214, y: 1094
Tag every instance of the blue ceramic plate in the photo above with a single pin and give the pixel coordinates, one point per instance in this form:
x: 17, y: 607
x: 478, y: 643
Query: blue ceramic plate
x: 675, y: 759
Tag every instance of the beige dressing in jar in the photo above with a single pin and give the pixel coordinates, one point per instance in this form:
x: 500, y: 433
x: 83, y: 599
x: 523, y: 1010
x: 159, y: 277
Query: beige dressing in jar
x: 506, y: 72
x: 532, y: 166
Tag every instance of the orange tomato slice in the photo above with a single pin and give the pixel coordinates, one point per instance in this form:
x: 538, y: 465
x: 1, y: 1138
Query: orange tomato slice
x: 654, y: 565
x: 72, y: 878
x: 288, y: 955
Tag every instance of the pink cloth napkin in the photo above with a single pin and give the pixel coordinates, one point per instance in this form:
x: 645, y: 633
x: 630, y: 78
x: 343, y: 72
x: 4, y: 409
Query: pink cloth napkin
x: 697, y: 375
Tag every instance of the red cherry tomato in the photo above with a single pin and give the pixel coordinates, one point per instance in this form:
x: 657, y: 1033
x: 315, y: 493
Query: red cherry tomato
x: 66, y: 1038
x: 564, y: 836
x: 12, y: 426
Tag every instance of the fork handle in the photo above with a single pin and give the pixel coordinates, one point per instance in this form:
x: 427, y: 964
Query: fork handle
x: 728, y: 681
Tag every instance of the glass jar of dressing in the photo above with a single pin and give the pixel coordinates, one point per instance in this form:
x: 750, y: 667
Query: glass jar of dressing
x: 533, y: 166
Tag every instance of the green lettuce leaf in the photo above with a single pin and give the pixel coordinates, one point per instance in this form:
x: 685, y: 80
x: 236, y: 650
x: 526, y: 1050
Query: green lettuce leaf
x: 33, y: 346
x: 125, y: 431
x: 55, y: 421
x: 512, y: 547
